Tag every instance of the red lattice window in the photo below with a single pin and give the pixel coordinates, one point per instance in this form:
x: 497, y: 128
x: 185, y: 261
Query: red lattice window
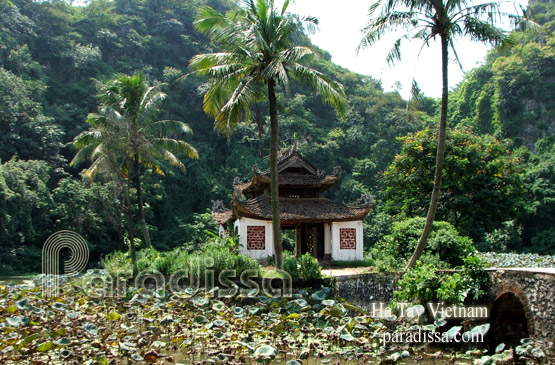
x: 256, y: 238
x: 347, y: 238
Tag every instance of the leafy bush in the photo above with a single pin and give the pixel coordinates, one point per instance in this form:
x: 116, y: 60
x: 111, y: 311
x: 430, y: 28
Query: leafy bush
x: 290, y: 264
x: 423, y: 283
x: 444, y: 241
x: 376, y: 226
x: 217, y: 259
x: 309, y: 267
x: 498, y: 240
x: 117, y: 264
x: 305, y: 267
x: 420, y: 283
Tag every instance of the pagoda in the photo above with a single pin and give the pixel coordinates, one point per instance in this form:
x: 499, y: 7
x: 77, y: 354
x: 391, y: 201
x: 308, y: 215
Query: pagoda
x: 325, y: 229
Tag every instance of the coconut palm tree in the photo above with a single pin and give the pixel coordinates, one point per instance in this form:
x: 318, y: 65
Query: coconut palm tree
x: 259, y: 53
x: 126, y: 136
x: 427, y: 20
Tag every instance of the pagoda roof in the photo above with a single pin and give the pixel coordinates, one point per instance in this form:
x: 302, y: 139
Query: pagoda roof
x: 222, y: 217
x: 294, y: 211
x: 324, y: 181
x: 293, y: 171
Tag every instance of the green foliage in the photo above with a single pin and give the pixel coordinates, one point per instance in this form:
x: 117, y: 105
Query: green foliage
x: 481, y: 186
x: 51, y: 51
x: 443, y: 242
x: 179, y: 260
x: 376, y: 225
x: 469, y: 285
x: 24, y: 129
x: 420, y: 283
x: 309, y: 268
x: 538, y: 222
x: 424, y: 283
x: 195, y: 233
x: 50, y: 55
x: 509, y: 95
x: 117, y: 264
x: 304, y: 267
x: 290, y: 264
x: 502, y: 238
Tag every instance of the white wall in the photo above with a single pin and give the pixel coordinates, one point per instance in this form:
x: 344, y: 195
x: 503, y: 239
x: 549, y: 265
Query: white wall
x: 242, y: 224
x: 338, y: 254
x: 327, y: 239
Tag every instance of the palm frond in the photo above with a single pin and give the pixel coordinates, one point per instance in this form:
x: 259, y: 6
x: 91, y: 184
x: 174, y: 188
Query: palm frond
x: 331, y: 91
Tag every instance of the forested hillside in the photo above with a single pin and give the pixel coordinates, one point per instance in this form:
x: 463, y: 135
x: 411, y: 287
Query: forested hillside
x: 51, y: 52
x: 512, y: 95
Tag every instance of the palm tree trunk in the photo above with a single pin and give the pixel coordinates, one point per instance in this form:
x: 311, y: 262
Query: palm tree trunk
x: 137, y: 178
x: 274, y: 186
x: 131, y: 232
x: 440, y: 157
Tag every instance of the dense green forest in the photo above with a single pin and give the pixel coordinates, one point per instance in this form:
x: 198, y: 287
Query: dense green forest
x: 51, y: 52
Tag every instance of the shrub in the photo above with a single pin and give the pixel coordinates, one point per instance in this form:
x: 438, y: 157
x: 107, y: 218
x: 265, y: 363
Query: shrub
x: 309, y: 267
x: 117, y: 264
x: 423, y: 283
x: 169, y: 262
x: 420, y: 284
x: 502, y: 238
x: 290, y: 264
x: 444, y: 241
x: 305, y: 267
x: 244, y: 263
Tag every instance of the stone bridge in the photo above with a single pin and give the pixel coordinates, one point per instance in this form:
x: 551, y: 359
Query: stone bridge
x: 521, y: 301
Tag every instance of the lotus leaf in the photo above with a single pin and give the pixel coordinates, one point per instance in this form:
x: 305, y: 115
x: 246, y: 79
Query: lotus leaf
x: 265, y: 353
x: 319, y: 295
x: 91, y: 328
x: 45, y: 346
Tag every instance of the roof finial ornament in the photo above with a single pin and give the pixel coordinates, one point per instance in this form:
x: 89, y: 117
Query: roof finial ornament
x: 218, y: 206
x: 236, y: 180
x: 337, y: 170
x: 238, y: 195
x: 320, y: 173
x: 364, y: 200
x: 255, y: 170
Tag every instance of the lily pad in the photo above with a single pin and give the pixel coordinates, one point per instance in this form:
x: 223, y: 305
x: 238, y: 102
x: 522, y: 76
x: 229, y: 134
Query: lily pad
x: 265, y: 353
x: 113, y: 316
x: 64, y: 341
x: 453, y: 331
x: 17, y: 321
x: 477, y: 332
x: 91, y: 328
x: 45, y: 346
x: 22, y: 304
x: 200, y: 319
x: 319, y: 295
x: 137, y: 357
x: 238, y: 311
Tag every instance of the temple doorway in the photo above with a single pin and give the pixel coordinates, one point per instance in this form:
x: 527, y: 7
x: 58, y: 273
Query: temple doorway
x: 309, y: 237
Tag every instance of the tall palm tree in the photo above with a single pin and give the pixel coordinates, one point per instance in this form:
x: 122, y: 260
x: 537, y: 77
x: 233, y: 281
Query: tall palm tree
x: 426, y: 20
x: 260, y: 53
x: 127, y: 136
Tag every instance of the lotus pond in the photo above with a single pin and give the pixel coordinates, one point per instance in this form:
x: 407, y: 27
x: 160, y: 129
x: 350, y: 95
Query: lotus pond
x: 90, y: 325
